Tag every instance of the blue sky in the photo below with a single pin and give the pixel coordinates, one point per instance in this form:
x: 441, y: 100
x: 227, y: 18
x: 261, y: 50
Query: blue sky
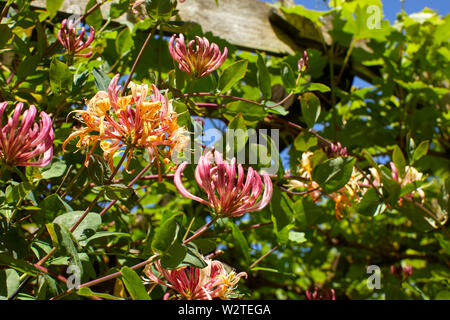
x: 390, y: 7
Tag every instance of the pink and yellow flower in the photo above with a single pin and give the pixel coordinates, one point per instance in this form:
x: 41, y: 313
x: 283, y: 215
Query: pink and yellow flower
x: 226, y: 196
x: 199, y: 62
x: 134, y: 121
x: 27, y: 144
x: 191, y: 283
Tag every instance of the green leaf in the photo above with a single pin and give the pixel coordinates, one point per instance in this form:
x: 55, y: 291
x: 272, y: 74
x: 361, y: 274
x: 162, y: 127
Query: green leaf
x: 313, y: 15
x: 117, y: 191
x: 95, y: 19
x: 61, y: 78
x: 421, y: 221
x: 63, y: 240
x: 273, y: 271
x: 53, y: 6
x: 98, y: 170
x: 304, y: 141
x: 310, y: 105
x: 180, y: 255
x: 369, y: 159
x: 281, y: 209
x: 5, y: 35
x: 263, y: 77
x: 237, y: 135
x: 420, y: 151
x: 314, y: 214
x: 165, y: 235
x: 124, y: 41
x: 232, y: 74
x: 86, y: 292
x: 17, y: 191
x: 104, y: 234
x: 51, y: 207
x: 391, y: 188
x: 101, y: 79
x: 85, y: 229
x: 28, y: 66
x: 314, y: 86
x: 183, y: 116
x: 118, y: 9
x: 276, y: 110
x: 9, y: 282
x: 54, y: 170
x: 6, y: 259
x: 399, y: 161
x: 287, y: 76
x: 193, y: 257
x: 297, y: 237
x: 242, y: 242
x: 134, y: 284
x: 333, y: 174
x: 369, y: 203
x: 174, y: 256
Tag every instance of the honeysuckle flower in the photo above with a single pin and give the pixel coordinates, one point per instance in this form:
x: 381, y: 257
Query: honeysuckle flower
x: 226, y: 196
x: 135, y: 121
x: 199, y: 62
x: 411, y: 176
x: 74, y: 42
x: 191, y: 283
x: 27, y: 144
x: 343, y: 197
x: 322, y: 294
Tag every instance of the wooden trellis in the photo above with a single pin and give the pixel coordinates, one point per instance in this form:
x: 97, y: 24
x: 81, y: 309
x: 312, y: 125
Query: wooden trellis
x: 247, y: 24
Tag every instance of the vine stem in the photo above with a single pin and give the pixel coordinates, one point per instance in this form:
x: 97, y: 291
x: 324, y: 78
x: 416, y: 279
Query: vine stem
x: 253, y: 226
x: 133, y: 68
x: 211, y: 94
x: 201, y: 230
x: 262, y: 257
x: 108, y: 277
x: 347, y: 56
x: 94, y: 202
x: 74, y: 179
x: 129, y: 185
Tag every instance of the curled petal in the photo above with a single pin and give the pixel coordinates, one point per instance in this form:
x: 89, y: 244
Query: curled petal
x: 180, y: 187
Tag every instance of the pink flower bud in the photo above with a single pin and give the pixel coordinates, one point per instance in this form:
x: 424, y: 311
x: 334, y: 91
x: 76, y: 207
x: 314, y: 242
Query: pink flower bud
x: 337, y: 150
x: 320, y: 294
x: 20, y: 144
x: 394, y: 171
x: 402, y: 273
x: 199, y: 62
x: 303, y: 63
x: 72, y: 41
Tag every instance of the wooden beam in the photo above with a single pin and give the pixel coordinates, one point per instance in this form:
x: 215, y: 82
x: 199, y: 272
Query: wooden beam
x: 243, y: 23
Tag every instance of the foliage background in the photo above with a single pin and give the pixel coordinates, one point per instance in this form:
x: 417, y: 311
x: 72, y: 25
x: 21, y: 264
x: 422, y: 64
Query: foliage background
x: 405, y: 106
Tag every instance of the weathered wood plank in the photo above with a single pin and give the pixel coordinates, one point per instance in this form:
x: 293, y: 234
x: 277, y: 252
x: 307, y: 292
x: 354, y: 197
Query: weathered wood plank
x: 245, y: 24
